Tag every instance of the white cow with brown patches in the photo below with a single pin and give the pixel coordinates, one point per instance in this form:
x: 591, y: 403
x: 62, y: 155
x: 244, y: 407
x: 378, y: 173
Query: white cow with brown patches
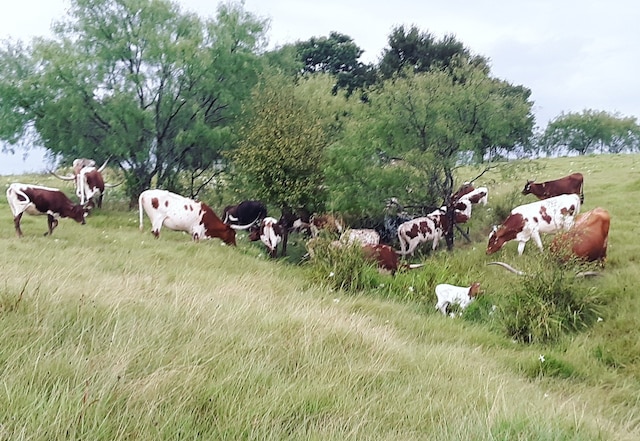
x: 528, y: 221
x: 182, y: 214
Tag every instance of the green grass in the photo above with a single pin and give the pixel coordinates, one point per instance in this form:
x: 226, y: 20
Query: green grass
x: 109, y: 334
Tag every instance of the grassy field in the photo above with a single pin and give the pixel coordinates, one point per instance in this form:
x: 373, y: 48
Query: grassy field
x: 108, y: 334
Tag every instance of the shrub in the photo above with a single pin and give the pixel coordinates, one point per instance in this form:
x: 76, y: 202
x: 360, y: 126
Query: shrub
x: 341, y: 267
x: 548, y: 303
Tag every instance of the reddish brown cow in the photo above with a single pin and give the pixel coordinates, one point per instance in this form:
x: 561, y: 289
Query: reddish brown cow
x: 182, y: 214
x: 386, y: 258
x: 586, y: 239
x: 571, y: 184
x: 37, y: 200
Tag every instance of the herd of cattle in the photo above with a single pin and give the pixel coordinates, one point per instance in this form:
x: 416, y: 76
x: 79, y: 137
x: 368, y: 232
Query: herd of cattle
x: 583, y: 236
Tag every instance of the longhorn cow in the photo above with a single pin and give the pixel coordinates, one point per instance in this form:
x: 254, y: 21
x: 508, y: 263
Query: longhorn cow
x: 38, y: 200
x: 88, y: 181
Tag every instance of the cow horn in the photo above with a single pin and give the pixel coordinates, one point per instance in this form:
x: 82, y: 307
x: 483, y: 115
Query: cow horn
x: 114, y: 185
x: 103, y: 166
x: 64, y: 178
x: 415, y: 265
x: 509, y: 267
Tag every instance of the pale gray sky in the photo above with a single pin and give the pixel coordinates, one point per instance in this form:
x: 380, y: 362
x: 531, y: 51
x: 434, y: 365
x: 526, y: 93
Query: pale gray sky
x: 572, y: 54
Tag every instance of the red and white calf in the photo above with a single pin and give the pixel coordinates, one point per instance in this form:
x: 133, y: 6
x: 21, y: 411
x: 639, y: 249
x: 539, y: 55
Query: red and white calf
x: 37, y: 200
x: 451, y: 294
x: 528, y: 221
x: 182, y: 214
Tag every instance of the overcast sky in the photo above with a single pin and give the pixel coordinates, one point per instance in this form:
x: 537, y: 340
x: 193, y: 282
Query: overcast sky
x: 572, y: 54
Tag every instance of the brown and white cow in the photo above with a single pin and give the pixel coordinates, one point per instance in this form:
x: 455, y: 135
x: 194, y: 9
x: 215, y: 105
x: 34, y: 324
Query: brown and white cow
x: 38, y: 200
x: 528, y: 221
x: 479, y: 195
x: 182, y: 214
x: 271, y: 233
x: 88, y: 181
x: 572, y: 184
x: 421, y: 229
x: 586, y: 240
x: 326, y: 222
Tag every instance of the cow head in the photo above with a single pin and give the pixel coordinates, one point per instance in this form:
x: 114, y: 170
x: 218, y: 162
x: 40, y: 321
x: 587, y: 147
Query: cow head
x: 228, y: 235
x: 527, y: 187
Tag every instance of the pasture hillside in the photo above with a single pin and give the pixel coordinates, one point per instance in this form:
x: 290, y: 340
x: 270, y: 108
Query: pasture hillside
x: 109, y: 334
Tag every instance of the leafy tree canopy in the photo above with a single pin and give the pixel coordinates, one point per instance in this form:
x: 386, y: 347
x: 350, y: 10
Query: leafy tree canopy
x: 417, y: 51
x: 280, y: 154
x: 590, y: 131
x: 337, y: 55
x: 140, y: 81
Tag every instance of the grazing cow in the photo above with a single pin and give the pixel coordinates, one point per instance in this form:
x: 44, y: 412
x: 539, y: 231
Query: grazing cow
x: 386, y: 258
x: 88, y: 181
x: 244, y: 215
x: 421, y: 229
x: 586, y: 239
x: 528, y: 221
x: 364, y: 236
x: 327, y: 222
x: 460, y: 295
x: 479, y: 195
x: 571, y: 184
x: 271, y: 232
x: 182, y: 214
x: 37, y: 200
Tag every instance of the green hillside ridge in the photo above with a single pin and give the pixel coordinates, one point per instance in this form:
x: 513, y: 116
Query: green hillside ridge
x: 110, y: 334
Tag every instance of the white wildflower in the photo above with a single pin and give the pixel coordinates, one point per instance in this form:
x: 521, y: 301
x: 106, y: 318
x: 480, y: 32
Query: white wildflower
x: 541, y: 358
x: 600, y: 319
x: 331, y: 274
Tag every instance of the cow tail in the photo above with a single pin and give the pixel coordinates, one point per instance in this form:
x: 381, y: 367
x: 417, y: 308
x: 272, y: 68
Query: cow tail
x: 140, y: 210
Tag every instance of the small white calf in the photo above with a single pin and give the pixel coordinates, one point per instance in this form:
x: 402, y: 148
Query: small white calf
x: 460, y: 295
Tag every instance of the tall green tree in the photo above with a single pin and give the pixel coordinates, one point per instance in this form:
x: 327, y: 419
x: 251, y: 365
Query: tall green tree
x: 280, y: 153
x: 337, y: 55
x: 408, y: 141
x: 139, y: 81
x: 417, y: 51
x: 591, y: 131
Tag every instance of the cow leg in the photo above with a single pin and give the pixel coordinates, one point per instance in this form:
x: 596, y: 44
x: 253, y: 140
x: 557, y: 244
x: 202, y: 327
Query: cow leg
x: 156, y: 225
x: 52, y: 222
x: 285, y: 239
x: 100, y: 201
x: 538, y: 241
x: 16, y: 223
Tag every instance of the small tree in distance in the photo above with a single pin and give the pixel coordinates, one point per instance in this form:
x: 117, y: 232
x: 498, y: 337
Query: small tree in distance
x: 591, y: 131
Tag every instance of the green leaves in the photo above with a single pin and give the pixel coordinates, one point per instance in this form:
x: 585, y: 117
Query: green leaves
x: 590, y: 131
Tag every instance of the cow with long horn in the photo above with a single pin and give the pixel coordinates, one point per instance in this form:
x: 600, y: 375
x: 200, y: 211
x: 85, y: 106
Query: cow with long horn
x: 88, y: 181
